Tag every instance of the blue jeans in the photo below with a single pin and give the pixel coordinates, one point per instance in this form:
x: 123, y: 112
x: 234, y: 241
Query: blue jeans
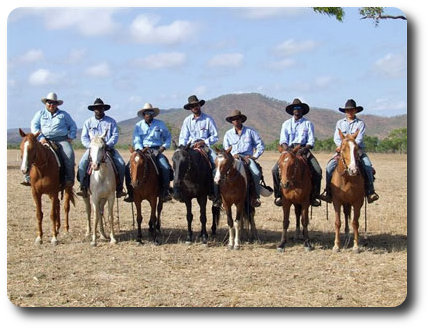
x: 367, y: 165
x: 117, y: 159
x: 256, y: 176
x: 68, y: 156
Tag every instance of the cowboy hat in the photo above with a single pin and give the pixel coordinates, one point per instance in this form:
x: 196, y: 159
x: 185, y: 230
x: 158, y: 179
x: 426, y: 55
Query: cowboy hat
x: 192, y: 100
x: 297, y: 104
x: 146, y: 107
x: 350, y: 104
x: 234, y: 114
x: 99, y: 103
x: 52, y: 97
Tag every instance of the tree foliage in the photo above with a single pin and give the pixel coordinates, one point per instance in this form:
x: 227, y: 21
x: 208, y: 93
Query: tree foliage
x: 374, y: 13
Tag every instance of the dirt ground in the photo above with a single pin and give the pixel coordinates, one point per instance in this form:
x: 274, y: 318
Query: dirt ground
x: 74, y: 274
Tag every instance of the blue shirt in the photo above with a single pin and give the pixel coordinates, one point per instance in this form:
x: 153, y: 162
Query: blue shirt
x: 154, y: 135
x: 245, y: 143
x: 53, y: 126
x: 94, y: 126
x: 297, y: 132
x: 347, y: 127
x: 201, y: 128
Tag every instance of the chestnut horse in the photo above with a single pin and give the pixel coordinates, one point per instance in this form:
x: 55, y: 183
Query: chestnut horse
x: 193, y: 179
x: 101, y: 188
x: 233, y: 184
x: 146, y: 186
x: 347, y: 187
x: 296, y: 186
x: 41, y: 162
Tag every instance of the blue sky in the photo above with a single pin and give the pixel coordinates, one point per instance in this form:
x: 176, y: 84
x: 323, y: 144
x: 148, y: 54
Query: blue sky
x: 129, y: 56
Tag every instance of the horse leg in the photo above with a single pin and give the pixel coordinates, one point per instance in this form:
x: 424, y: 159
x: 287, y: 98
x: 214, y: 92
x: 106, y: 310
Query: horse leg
x: 286, y: 208
x: 215, y: 219
x: 96, y: 209
x: 139, y: 221
x: 189, y: 238
x: 158, y: 220
x: 55, y: 205
x: 254, y: 232
x: 111, y: 202
x: 347, y: 215
x: 305, y: 223
x: 337, y: 223
x: 88, y: 210
x: 297, y: 211
x: 355, y: 225
x: 230, y: 226
x: 39, y: 216
x: 203, y: 233
x: 102, y: 203
x: 238, y: 225
x: 153, y: 220
x: 67, y: 198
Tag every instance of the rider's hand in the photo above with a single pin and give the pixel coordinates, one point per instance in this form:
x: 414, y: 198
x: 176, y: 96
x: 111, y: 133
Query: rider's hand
x: 42, y: 140
x: 199, y: 144
x: 161, y: 149
x: 338, y: 149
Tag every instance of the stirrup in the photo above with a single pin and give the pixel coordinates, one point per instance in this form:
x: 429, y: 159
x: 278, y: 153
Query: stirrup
x: 129, y: 199
x: 278, y: 201
x: 372, y: 198
x: 325, y: 196
x: 25, y: 183
x: 315, y: 202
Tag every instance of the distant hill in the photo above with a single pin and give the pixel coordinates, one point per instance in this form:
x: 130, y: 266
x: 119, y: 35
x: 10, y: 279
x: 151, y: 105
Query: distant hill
x: 265, y: 114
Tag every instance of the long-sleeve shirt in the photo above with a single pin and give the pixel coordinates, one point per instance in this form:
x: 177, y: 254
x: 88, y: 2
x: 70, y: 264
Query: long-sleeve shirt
x: 248, y: 143
x: 347, y: 127
x: 154, y: 135
x: 93, y: 126
x: 297, y: 132
x: 201, y: 128
x: 53, y: 126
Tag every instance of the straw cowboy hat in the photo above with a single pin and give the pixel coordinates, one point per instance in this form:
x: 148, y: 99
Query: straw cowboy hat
x: 350, y: 104
x: 52, y: 97
x: 99, y: 103
x: 193, y: 100
x: 297, y: 104
x: 235, y: 114
x: 146, y: 107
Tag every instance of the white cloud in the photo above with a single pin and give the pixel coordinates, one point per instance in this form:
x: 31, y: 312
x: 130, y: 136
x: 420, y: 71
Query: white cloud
x: 391, y: 66
x: 384, y: 104
x: 282, y: 64
x: 33, y: 55
x: 290, y: 47
x: 161, y: 61
x: 101, y: 70
x: 144, y: 29
x: 88, y: 21
x: 231, y: 60
x: 76, y: 55
x: 42, y: 77
x: 324, y: 81
x: 272, y: 12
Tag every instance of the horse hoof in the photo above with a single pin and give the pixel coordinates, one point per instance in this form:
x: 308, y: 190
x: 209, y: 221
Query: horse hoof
x: 308, y: 248
x: 356, y: 250
x: 113, y: 241
x: 188, y: 242
x: 54, y: 242
x: 38, y: 241
x: 93, y: 244
x: 236, y: 247
x: 281, y: 249
x: 230, y: 247
x: 336, y: 249
x: 139, y: 243
x: 156, y: 242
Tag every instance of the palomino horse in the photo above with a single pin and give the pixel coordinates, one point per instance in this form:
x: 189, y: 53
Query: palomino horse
x: 146, y: 186
x: 44, y: 170
x: 233, y: 184
x: 102, y: 187
x: 347, y: 187
x: 193, y: 179
x: 296, y: 188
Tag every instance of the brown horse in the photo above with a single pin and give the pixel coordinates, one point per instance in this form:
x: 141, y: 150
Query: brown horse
x: 146, y: 186
x: 296, y: 186
x: 347, y: 187
x: 233, y: 184
x: 41, y: 162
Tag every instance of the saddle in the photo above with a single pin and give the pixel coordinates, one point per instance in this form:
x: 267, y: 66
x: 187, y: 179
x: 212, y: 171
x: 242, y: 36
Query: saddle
x: 55, y: 148
x: 109, y: 154
x: 204, y: 152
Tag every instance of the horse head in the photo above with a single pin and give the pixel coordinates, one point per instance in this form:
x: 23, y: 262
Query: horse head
x: 288, y: 167
x: 138, y: 167
x: 223, y: 163
x: 97, y: 151
x: 349, y: 153
x: 28, y: 150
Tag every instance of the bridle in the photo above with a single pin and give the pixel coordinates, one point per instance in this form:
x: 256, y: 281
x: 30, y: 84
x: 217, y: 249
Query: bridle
x: 230, y: 170
x: 291, y: 182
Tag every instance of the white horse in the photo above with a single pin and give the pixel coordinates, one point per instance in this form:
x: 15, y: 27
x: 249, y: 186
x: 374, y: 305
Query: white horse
x: 101, y: 188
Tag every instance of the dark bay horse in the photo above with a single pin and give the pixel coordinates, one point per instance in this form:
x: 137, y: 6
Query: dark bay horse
x: 41, y: 162
x: 347, y: 186
x: 146, y: 186
x: 296, y: 185
x: 233, y: 184
x: 193, y: 179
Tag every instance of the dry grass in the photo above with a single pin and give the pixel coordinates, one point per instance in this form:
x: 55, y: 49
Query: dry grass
x: 175, y: 274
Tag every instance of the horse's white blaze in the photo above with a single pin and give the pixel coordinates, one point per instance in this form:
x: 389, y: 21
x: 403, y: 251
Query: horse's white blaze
x: 217, y: 177
x: 352, y: 168
x: 136, y: 159
x: 24, y: 164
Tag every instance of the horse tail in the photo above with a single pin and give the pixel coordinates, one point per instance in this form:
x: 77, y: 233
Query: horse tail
x: 70, y: 195
x: 216, y: 214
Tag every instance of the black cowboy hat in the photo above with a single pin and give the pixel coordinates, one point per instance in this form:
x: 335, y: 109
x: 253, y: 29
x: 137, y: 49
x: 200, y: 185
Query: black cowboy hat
x: 236, y: 114
x: 350, y: 104
x: 99, y: 103
x: 192, y: 100
x: 297, y: 104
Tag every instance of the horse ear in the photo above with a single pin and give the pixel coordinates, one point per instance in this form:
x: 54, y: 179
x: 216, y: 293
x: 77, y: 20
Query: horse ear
x: 280, y: 148
x: 104, y: 134
x: 37, y: 134
x: 341, y: 134
x: 355, y: 134
x: 175, y: 146
x: 229, y: 149
x: 188, y: 145
x: 145, y: 150
x: 296, y: 149
x: 216, y: 149
x: 21, y: 132
x: 131, y: 149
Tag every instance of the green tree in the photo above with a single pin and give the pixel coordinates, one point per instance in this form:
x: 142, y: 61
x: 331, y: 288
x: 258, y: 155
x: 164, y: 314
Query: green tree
x: 374, y: 13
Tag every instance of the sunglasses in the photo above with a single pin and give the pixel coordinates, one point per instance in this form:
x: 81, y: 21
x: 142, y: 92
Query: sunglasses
x: 149, y: 112
x: 51, y: 102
